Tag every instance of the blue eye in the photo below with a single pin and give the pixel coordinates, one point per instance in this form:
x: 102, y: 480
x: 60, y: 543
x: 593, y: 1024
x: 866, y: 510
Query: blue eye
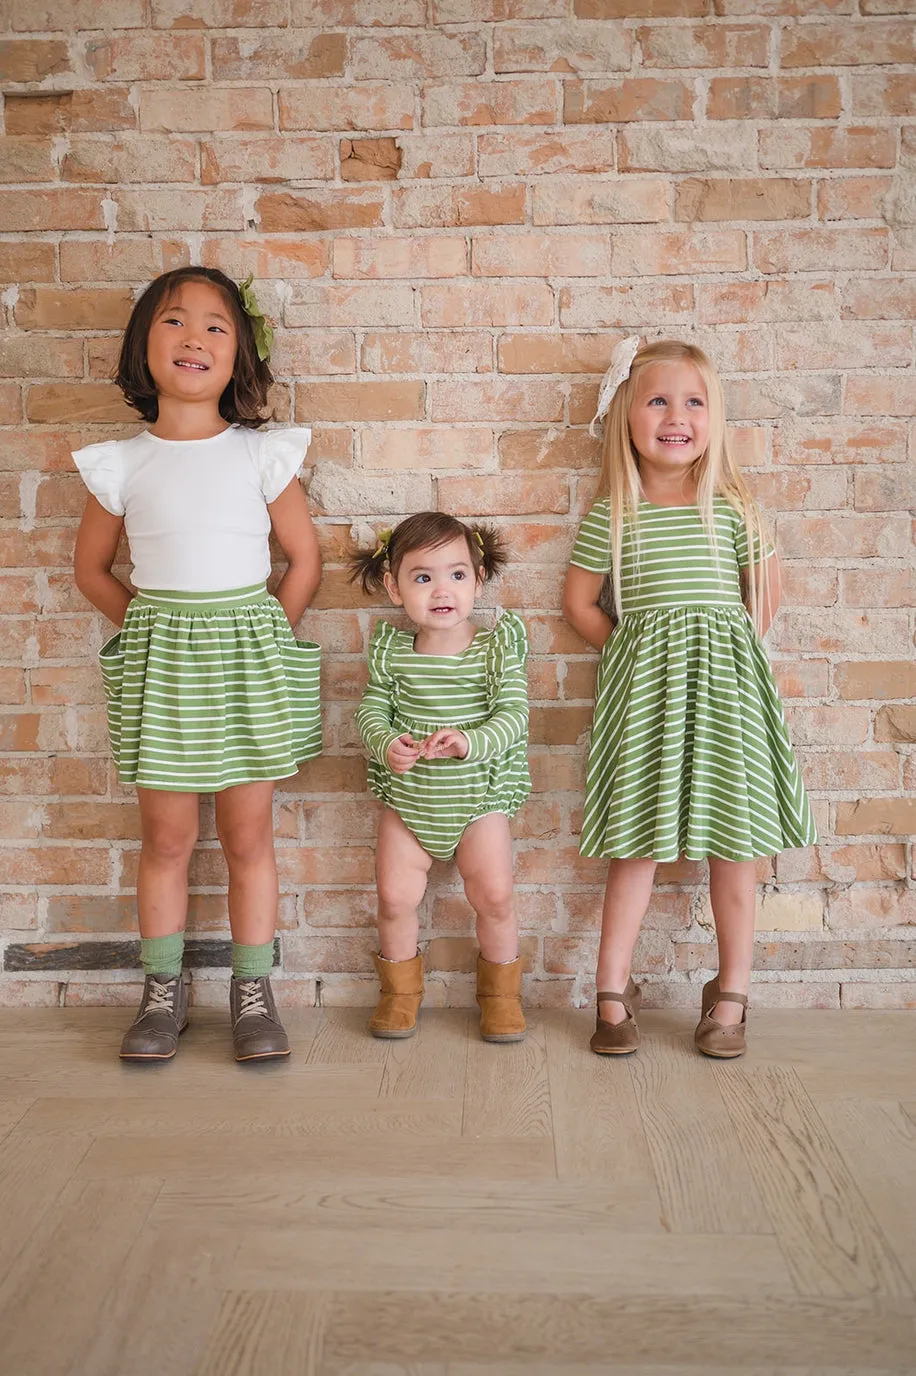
x: 657, y: 401
x: 695, y: 401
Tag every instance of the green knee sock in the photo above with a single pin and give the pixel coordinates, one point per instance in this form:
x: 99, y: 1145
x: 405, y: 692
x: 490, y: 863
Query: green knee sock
x: 162, y: 955
x: 252, y: 962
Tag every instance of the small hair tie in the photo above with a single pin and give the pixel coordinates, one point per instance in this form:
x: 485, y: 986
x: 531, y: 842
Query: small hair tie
x: 479, y: 538
x: 618, y: 372
x: 263, y: 334
x: 384, y: 540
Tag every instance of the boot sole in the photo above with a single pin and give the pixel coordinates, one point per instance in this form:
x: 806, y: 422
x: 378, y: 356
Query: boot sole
x: 393, y: 1036
x: 264, y: 1056
x: 722, y: 1055
x: 613, y: 1050
x: 513, y: 1037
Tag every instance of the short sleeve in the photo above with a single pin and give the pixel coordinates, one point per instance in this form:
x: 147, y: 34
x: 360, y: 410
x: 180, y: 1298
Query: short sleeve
x: 762, y: 546
x: 280, y: 458
x: 592, y: 549
x: 101, y: 468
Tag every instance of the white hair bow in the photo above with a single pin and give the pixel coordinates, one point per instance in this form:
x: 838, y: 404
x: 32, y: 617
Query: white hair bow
x: 621, y: 363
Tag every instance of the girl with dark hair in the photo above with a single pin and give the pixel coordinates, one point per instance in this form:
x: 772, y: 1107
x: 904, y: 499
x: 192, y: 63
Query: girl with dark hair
x: 208, y: 691
x: 445, y: 721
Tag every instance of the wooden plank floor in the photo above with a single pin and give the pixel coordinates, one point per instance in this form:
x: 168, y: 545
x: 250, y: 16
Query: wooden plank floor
x: 440, y: 1207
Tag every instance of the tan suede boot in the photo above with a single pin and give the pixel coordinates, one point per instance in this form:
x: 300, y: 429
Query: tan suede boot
x: 499, y: 993
x: 402, y: 992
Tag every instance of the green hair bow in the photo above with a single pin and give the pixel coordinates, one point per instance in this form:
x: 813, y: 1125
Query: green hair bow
x: 263, y: 334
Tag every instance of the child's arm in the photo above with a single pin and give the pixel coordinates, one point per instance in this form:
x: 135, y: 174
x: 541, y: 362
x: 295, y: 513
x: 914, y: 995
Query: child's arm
x: 373, y: 721
x: 96, y: 546
x: 580, y: 606
x: 292, y: 525
x: 769, y: 591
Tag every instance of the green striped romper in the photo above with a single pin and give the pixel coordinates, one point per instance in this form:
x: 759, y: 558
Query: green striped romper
x: 690, y: 754
x: 483, y: 692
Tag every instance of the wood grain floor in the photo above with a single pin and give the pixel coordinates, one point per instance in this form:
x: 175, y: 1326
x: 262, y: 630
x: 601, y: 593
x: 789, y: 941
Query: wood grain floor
x: 441, y: 1207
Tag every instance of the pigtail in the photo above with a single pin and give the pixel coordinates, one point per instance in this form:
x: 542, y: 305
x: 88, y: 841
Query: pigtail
x: 367, y: 567
x: 491, y: 550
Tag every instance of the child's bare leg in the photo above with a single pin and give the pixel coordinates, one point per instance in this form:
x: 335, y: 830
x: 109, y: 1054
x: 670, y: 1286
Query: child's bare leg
x: 401, y: 870
x: 484, y: 859
x: 733, y: 895
x: 244, y: 825
x: 169, y: 824
x: 626, y: 898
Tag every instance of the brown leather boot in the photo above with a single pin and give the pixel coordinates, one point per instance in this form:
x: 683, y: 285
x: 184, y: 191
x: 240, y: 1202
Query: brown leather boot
x: 401, y: 995
x: 161, y: 1018
x: 499, y: 993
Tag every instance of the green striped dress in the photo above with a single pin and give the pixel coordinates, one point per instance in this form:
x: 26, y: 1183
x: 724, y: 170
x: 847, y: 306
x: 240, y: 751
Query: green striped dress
x: 483, y: 692
x: 206, y: 690
x: 690, y: 754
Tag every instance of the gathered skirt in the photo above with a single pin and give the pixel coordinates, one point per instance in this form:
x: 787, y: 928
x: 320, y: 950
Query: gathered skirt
x: 690, y: 754
x: 209, y: 690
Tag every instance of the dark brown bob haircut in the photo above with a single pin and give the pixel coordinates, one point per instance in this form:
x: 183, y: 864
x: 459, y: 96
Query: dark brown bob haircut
x: 244, y: 398
x: 426, y: 530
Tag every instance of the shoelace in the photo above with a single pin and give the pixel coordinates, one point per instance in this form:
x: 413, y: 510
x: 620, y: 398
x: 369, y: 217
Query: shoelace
x: 160, y: 998
x: 252, y: 999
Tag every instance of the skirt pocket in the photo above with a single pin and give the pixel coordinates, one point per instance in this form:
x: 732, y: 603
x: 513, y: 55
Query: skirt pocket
x: 111, y: 663
x: 302, y: 666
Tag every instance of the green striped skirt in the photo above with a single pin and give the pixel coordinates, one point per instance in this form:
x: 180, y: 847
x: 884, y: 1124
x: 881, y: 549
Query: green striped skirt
x: 209, y: 690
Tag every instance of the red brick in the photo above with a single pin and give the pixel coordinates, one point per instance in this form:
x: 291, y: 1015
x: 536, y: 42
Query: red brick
x: 44, y: 15
x: 481, y: 102
x: 889, y: 905
x: 640, y: 9
x: 486, y: 303
x: 823, y: 441
x: 536, y: 154
x: 880, y: 94
x: 881, y: 396
x: 846, y: 345
x: 633, y: 98
x: 505, y: 496
x: 564, y: 48
x: 876, y: 817
x: 265, y: 158
x: 301, y: 55
x: 873, y: 679
x: 636, y: 253
x: 728, y: 198
x: 539, y: 449
x: 453, y: 448
x: 13, y: 687
x: 316, y: 210
x: 705, y: 45
x: 435, y: 155
x: 499, y: 400
x: 806, y: 250
x: 557, y: 202
x: 206, y: 109
x: 840, y: 43
x: 879, y: 298
x: 59, y: 687
x: 467, y: 11
x: 266, y: 257
x: 803, y: 678
x: 63, y: 112
x: 824, y: 146
x: 25, y: 356
x: 130, y: 159
x: 438, y: 207
x: 10, y: 403
x: 314, y: 864
x: 809, y: 97
x: 26, y: 159
x: 219, y: 14
x: 834, y: 770
x: 638, y: 306
x: 744, y: 302
x: 33, y: 59
x: 417, y: 57
x: 57, y: 865
x: 28, y: 262
x: 896, y: 723
x: 741, y: 97
x: 832, y: 631
x: 37, y: 548
x: 715, y: 147
x: 551, y: 353
x: 382, y: 105
x: 361, y: 400
x: 423, y: 352
x: 53, y: 308
x: 352, y: 303
x: 887, y: 994
x: 885, y: 491
x: 76, y: 403
x: 359, y: 13
x: 539, y: 255
x: 43, y: 210
x: 410, y: 258
x: 147, y: 57
x: 316, y: 353
x: 154, y: 210
x: 851, y: 198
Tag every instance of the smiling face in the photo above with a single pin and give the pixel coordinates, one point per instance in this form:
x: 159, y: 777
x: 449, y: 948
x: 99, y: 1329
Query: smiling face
x: 669, y: 418
x: 436, y: 587
x: 192, y: 343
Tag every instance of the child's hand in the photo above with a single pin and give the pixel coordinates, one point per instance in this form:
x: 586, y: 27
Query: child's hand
x: 403, y: 754
x: 445, y: 743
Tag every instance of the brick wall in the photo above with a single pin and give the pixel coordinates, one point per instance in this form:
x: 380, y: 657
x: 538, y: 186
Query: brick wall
x: 453, y: 210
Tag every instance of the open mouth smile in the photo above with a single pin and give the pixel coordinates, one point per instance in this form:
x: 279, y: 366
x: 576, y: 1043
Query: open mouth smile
x: 189, y: 363
x: 674, y: 439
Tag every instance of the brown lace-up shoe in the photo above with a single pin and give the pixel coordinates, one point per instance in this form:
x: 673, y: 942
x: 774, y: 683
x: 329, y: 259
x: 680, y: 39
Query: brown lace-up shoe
x: 257, y: 1032
x: 162, y: 1017
x: 617, y: 1038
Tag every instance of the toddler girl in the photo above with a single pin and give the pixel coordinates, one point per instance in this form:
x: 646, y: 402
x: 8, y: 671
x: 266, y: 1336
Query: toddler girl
x: 445, y: 721
x: 689, y: 753
x: 208, y: 691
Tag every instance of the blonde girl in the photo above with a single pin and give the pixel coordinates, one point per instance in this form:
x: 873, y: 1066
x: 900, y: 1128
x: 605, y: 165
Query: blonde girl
x: 689, y: 752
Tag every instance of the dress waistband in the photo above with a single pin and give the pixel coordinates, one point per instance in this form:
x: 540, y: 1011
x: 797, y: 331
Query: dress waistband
x: 216, y: 601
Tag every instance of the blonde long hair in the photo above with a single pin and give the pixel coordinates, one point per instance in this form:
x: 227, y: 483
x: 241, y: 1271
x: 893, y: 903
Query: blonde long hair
x: 716, y: 471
